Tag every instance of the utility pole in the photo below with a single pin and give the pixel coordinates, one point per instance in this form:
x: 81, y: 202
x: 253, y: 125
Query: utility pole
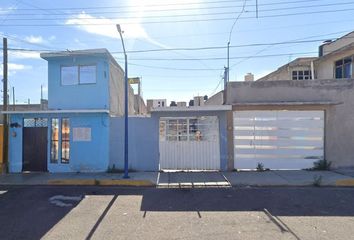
x: 126, y: 111
x: 4, y: 107
x: 41, y: 92
x: 13, y: 98
x: 226, y: 74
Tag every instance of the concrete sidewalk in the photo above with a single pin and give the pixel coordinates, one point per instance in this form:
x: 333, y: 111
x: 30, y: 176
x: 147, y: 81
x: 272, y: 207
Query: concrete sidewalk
x: 185, y: 179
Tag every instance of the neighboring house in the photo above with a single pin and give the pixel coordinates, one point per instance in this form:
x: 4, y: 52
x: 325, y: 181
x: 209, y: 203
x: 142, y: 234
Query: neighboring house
x: 298, y: 114
x: 139, y: 105
x: 298, y: 69
x: 85, y: 94
x: 155, y: 103
x: 25, y: 107
x: 334, y: 61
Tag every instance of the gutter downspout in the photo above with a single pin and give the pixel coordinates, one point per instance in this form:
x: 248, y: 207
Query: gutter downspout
x: 312, y: 71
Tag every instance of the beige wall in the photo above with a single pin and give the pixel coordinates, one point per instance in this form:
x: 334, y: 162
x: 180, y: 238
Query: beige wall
x: 339, y: 130
x: 325, y: 66
x: 344, y: 41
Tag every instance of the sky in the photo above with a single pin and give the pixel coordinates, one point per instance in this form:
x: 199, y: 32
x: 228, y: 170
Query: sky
x: 178, y: 48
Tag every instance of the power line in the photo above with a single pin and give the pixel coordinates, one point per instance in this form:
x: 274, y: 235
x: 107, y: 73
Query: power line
x: 186, y: 15
x: 174, y: 69
x: 157, y: 10
x: 219, y: 58
x: 194, y: 48
x: 178, y: 21
x: 150, y: 5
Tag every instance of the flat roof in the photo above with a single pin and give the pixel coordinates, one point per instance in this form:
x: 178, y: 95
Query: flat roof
x: 58, y: 111
x: 193, y: 108
x: 76, y: 53
x: 101, y: 51
x: 286, y: 103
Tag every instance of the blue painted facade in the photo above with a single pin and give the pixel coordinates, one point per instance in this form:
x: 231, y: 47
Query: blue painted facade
x: 63, y: 101
x: 85, y: 156
x: 90, y: 106
x: 91, y: 96
x: 144, y: 139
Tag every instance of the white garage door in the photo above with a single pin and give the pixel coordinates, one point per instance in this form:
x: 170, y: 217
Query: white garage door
x: 189, y: 143
x: 278, y: 139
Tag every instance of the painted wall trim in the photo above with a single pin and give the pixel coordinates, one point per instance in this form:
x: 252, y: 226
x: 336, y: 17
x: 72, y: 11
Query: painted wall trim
x: 193, y: 108
x: 58, y: 111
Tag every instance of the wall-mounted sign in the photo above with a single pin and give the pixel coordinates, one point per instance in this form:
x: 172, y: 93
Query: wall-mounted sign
x: 82, y: 134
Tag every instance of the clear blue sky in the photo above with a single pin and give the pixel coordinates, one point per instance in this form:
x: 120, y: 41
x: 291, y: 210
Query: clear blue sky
x: 165, y: 24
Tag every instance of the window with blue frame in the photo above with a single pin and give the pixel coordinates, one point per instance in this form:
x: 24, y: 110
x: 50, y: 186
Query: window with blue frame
x: 343, y: 68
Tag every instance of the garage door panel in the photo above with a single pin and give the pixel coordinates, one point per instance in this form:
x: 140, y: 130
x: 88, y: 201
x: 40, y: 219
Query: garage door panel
x: 290, y: 134
x: 291, y: 143
x: 277, y: 136
x: 284, y: 124
x: 281, y: 151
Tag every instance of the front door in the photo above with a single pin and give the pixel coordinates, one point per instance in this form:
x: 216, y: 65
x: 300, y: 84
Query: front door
x: 35, y: 148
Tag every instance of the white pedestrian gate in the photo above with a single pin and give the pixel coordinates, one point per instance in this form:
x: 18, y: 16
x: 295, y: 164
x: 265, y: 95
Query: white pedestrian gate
x: 189, y: 143
x: 278, y: 139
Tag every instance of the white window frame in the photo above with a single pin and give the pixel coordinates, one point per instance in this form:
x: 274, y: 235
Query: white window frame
x: 304, y: 77
x: 189, y: 136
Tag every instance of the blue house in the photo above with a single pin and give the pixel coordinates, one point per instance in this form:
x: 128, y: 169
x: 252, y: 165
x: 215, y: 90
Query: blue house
x: 83, y: 128
x: 85, y: 92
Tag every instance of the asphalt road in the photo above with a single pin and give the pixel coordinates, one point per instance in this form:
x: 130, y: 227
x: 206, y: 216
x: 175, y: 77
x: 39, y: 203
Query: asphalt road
x: 34, y: 212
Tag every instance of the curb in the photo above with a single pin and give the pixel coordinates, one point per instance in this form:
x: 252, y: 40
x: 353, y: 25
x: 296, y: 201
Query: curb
x: 349, y: 182
x: 102, y: 182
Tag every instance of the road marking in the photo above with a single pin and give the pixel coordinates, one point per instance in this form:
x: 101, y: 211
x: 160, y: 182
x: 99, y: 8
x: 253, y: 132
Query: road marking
x: 60, y: 200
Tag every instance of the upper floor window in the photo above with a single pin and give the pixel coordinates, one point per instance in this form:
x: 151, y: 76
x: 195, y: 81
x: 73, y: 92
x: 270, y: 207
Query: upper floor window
x: 301, y: 75
x: 343, y: 68
x: 73, y: 75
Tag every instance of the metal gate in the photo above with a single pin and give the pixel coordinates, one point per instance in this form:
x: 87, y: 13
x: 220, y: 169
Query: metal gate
x: 35, y: 135
x: 189, y: 143
x: 278, y: 139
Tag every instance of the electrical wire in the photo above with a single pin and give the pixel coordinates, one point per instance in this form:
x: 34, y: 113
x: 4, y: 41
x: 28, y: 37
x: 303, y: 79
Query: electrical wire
x: 182, y: 20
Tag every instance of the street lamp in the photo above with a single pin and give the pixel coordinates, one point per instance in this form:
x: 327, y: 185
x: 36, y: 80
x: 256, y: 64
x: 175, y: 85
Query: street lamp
x: 125, y: 106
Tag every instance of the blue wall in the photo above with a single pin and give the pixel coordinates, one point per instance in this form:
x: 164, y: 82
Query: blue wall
x: 144, y: 140
x: 143, y: 143
x: 107, y: 145
x: 90, y: 96
x: 84, y: 156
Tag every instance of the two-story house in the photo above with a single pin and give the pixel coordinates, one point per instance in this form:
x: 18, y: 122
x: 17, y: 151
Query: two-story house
x: 85, y: 92
x: 334, y: 61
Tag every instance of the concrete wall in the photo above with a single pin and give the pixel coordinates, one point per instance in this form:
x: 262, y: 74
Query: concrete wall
x: 143, y: 143
x: 339, y: 130
x: 217, y: 99
x: 339, y: 43
x: 325, y: 65
x: 84, y: 156
x: 144, y: 140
